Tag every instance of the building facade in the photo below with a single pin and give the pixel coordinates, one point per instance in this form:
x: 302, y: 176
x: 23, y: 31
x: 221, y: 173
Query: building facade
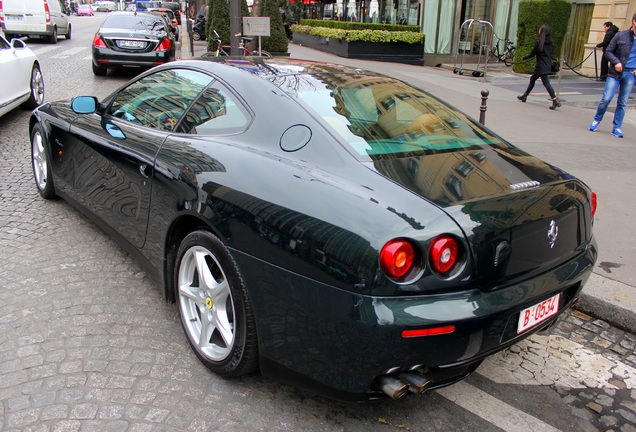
x: 467, y: 28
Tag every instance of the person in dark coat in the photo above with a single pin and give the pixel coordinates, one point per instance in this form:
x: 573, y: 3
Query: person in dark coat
x: 610, y: 31
x: 543, y: 49
x: 621, y: 53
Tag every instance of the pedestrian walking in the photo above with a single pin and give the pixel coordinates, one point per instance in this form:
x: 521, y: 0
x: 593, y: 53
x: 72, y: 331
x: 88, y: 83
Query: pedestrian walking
x: 542, y: 50
x: 610, y: 32
x: 621, y: 53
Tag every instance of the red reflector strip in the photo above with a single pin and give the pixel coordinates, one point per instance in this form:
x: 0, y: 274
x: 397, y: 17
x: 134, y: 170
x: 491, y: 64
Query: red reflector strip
x: 428, y: 332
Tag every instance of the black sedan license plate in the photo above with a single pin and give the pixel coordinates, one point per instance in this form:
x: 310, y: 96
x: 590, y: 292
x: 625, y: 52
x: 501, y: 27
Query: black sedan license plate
x: 131, y: 44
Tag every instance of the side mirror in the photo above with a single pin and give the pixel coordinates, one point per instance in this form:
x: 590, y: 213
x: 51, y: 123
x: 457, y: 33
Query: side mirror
x: 17, y: 44
x: 84, y: 104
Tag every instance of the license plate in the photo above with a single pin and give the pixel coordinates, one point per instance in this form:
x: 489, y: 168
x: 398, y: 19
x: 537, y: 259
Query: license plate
x: 131, y: 44
x: 538, y: 313
x: 15, y: 18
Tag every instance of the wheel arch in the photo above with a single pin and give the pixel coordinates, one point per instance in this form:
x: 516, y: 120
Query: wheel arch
x: 180, y: 228
x: 33, y: 120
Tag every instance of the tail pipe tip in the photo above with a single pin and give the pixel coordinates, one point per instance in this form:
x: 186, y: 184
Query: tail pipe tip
x: 394, y: 387
x: 417, y: 382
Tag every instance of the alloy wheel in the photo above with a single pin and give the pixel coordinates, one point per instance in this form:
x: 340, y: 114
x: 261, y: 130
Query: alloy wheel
x: 206, y: 303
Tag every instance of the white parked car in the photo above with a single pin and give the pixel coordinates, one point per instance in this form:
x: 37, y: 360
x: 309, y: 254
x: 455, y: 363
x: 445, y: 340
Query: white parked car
x: 104, y: 6
x: 20, y: 75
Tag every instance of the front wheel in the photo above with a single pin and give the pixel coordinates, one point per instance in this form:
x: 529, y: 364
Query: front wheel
x: 40, y: 164
x: 37, y: 88
x: 215, y: 309
x: 196, y: 36
x: 509, y: 60
x: 262, y: 53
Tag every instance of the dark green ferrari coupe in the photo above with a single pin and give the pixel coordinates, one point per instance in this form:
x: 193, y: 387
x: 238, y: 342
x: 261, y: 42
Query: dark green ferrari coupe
x: 338, y: 229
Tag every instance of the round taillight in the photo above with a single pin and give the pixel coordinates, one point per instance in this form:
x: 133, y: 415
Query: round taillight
x: 397, y: 258
x: 443, y: 254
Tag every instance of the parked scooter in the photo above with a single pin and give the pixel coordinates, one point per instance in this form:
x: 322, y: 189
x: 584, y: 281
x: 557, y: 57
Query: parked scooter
x: 198, y: 29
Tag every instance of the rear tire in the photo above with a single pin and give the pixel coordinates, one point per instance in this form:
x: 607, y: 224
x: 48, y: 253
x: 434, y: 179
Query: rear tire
x: 53, y: 37
x: 214, y: 306
x: 68, y: 35
x: 99, y: 71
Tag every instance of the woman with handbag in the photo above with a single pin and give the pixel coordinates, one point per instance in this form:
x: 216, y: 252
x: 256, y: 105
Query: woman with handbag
x: 542, y: 50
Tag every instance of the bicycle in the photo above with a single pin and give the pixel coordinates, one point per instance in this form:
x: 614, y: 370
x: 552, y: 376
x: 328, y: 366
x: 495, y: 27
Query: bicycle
x: 507, y: 56
x: 224, y: 50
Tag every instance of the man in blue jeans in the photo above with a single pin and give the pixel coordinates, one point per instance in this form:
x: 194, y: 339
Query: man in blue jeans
x: 621, y: 54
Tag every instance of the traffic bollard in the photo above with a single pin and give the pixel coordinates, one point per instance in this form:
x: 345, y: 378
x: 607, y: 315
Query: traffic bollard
x: 482, y: 108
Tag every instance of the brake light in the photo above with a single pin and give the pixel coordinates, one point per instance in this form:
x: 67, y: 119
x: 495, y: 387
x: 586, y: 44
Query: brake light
x: 1, y: 13
x: 443, y: 254
x: 164, y: 45
x: 398, y: 257
x: 98, y: 41
x: 594, y: 203
x: 47, y: 12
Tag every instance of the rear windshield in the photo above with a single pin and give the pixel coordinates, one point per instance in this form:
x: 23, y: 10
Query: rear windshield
x: 145, y: 22
x: 381, y: 117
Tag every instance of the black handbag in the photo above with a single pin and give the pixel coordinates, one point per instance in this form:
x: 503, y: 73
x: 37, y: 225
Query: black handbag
x: 555, y: 66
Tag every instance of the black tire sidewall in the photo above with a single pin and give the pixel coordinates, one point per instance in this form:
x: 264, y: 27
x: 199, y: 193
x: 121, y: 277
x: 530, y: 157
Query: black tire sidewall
x: 241, y: 355
x: 49, y: 190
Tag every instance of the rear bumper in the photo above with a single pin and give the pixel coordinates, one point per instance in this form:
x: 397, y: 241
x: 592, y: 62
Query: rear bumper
x: 336, y: 342
x: 109, y: 59
x: 27, y: 30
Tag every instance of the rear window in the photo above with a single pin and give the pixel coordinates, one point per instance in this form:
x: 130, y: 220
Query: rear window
x: 381, y: 117
x: 144, y: 22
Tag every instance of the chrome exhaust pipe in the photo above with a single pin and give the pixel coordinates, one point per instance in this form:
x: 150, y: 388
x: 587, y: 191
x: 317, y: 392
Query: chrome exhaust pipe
x: 417, y: 382
x: 575, y: 301
x: 392, y: 386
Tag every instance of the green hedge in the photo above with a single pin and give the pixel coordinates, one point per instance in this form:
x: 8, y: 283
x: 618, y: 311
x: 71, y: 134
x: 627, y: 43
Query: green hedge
x: 532, y: 15
x: 348, y: 25
x: 360, y: 35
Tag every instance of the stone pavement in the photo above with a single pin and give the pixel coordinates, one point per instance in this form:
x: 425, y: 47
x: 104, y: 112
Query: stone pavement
x: 610, y: 294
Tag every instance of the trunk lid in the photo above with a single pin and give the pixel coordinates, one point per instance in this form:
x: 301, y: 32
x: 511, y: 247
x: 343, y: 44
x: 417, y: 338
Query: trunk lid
x: 521, y: 216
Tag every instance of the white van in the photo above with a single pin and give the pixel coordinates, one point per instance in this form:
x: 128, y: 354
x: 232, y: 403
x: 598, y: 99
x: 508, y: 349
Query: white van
x: 43, y: 18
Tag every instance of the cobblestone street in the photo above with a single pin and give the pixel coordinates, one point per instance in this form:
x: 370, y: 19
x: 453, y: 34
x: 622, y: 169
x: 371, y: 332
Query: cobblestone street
x: 87, y: 343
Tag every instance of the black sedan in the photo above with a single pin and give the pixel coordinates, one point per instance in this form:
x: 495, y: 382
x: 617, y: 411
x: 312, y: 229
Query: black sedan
x: 132, y: 40
x: 338, y: 229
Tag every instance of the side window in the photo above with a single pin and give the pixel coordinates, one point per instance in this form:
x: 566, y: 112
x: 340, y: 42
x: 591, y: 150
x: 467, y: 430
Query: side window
x: 215, y: 112
x: 159, y: 100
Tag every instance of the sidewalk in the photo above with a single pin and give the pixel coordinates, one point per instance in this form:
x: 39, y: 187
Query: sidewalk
x: 560, y: 137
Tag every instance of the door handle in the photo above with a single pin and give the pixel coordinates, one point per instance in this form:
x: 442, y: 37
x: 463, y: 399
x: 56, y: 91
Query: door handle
x: 142, y: 170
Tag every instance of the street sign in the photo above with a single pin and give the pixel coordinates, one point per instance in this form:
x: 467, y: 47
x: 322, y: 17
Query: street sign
x: 256, y: 26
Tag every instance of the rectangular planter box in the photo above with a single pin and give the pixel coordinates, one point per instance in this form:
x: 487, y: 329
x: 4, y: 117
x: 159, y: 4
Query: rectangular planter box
x: 397, y: 52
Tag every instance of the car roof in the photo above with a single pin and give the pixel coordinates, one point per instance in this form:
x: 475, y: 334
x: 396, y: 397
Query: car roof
x: 167, y: 11
x: 131, y: 13
x: 267, y: 67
